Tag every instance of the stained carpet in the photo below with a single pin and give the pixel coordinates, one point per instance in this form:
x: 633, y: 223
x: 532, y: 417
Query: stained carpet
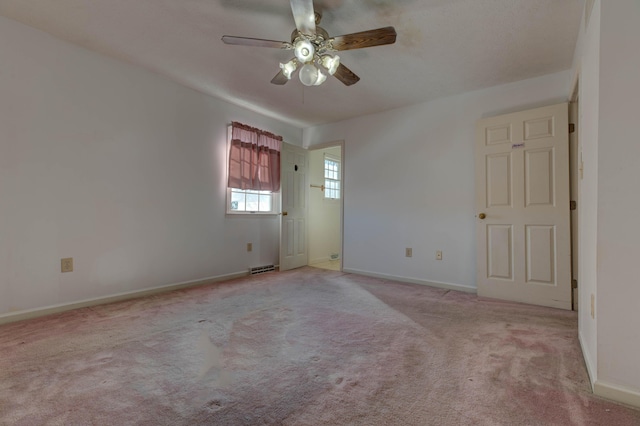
x: 303, y: 347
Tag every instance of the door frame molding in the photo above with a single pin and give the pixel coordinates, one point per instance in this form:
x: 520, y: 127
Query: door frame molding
x: 333, y: 144
x: 574, y: 186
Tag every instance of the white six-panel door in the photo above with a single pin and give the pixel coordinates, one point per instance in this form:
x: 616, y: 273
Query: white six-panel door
x: 294, y: 190
x: 522, y: 201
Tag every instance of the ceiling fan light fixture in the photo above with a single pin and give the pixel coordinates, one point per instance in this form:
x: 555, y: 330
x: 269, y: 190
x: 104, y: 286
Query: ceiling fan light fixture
x: 289, y: 68
x: 304, y: 50
x: 331, y: 63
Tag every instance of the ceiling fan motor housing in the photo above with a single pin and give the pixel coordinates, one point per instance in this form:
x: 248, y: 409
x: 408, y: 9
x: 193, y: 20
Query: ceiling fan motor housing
x: 304, y: 50
x: 319, y: 40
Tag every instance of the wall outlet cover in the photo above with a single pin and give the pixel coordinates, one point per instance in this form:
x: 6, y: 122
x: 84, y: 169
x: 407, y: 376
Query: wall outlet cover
x: 66, y: 264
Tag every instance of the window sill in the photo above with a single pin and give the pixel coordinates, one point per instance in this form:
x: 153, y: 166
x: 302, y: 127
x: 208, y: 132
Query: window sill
x: 259, y: 214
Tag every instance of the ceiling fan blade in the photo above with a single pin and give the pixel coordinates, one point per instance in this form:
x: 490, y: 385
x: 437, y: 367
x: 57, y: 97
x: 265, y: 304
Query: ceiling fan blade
x: 304, y: 16
x: 256, y: 42
x: 378, y: 37
x: 279, y: 79
x: 346, y: 76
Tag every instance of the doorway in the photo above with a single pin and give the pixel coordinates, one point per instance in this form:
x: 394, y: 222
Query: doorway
x: 326, y: 200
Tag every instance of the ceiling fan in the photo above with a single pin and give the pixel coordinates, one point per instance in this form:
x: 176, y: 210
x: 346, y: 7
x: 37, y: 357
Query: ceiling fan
x: 314, y: 50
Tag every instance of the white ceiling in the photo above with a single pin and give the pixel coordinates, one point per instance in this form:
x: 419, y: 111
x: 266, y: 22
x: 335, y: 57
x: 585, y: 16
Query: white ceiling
x: 444, y: 47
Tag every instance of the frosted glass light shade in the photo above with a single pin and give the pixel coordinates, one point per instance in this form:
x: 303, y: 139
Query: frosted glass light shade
x: 308, y: 74
x: 289, y: 68
x: 331, y: 63
x: 304, y: 50
x: 321, y: 78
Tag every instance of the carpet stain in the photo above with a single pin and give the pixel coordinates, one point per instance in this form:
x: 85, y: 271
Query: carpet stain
x: 214, y: 405
x: 212, y: 360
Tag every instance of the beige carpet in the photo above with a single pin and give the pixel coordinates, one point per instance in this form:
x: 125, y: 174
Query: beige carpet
x: 304, y: 347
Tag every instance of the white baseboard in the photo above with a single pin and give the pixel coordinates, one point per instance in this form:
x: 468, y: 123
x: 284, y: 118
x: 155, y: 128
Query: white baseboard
x: 617, y: 393
x: 448, y: 286
x: 39, y: 312
x: 606, y: 390
x: 587, y: 360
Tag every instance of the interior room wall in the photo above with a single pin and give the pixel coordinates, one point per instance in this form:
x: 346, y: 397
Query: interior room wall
x: 618, y: 233
x: 587, y: 69
x: 609, y: 88
x: 410, y: 181
x: 324, y: 215
x: 118, y: 168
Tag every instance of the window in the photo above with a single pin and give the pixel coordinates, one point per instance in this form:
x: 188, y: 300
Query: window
x: 248, y: 201
x: 331, y: 178
x: 254, y: 170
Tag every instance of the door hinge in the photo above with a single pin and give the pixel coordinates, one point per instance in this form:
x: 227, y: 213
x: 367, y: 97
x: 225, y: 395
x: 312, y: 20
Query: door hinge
x: 572, y: 127
x: 573, y: 205
x: 574, y: 283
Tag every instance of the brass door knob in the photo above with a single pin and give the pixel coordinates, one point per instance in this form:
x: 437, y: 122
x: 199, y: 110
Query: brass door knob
x: 285, y: 213
x: 482, y: 215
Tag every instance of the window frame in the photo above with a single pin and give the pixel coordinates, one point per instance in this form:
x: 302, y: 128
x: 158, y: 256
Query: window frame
x: 338, y: 161
x: 275, y: 199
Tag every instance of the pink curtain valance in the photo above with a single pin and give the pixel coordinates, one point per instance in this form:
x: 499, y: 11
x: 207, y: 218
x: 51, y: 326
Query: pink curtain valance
x: 254, y: 159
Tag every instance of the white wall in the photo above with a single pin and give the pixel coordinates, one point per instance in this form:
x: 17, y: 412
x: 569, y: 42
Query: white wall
x: 618, y: 231
x: 116, y: 167
x: 409, y: 180
x: 587, y: 61
x: 609, y: 234
x: 324, y: 215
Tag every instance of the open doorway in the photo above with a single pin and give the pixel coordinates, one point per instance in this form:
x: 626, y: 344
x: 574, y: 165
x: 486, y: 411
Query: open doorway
x: 326, y: 198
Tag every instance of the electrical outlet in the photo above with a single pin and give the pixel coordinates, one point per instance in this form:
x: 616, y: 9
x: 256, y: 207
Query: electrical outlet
x: 408, y: 252
x: 439, y: 255
x: 66, y: 264
x: 593, y: 305
x: 249, y: 246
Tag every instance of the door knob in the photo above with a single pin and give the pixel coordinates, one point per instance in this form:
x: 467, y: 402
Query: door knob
x: 482, y: 215
x: 285, y: 213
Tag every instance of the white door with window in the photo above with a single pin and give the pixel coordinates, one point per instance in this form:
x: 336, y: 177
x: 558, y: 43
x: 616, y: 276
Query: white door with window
x: 294, y: 184
x: 522, y: 201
